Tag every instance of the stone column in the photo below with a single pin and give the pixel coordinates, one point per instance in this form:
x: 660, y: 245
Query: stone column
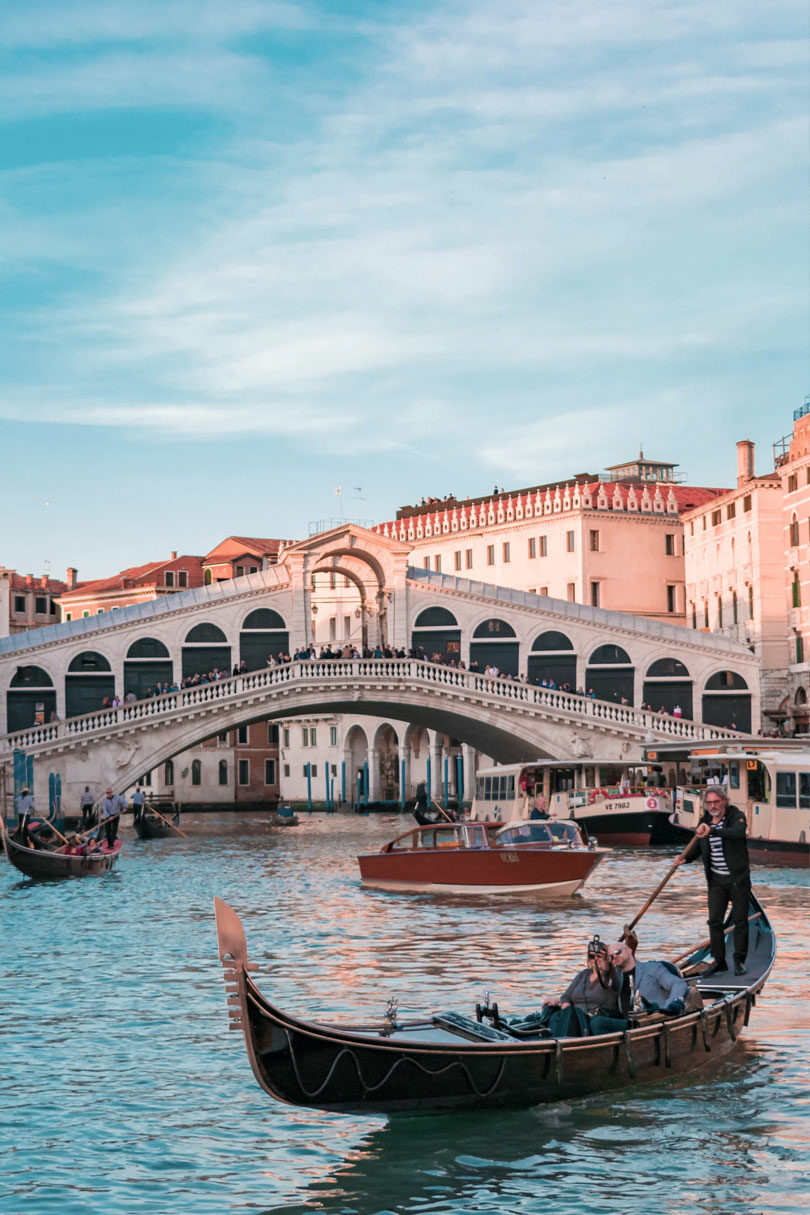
x: 437, y: 773
x: 373, y: 774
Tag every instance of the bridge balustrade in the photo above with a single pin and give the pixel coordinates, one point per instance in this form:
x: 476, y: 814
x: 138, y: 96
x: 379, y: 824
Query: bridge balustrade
x: 329, y: 672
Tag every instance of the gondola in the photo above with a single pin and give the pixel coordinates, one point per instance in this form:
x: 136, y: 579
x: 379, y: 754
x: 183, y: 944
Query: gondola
x: 151, y: 826
x: 43, y: 864
x: 453, y: 1061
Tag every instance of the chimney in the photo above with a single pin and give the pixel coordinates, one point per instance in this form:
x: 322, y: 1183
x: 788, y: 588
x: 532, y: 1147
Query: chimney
x: 29, y: 579
x: 174, y: 556
x: 745, y: 461
x: 43, y: 580
x: 71, y: 578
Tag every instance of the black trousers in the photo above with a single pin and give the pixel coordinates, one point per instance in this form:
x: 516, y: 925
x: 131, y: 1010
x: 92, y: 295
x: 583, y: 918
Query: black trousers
x: 111, y: 828
x: 722, y: 891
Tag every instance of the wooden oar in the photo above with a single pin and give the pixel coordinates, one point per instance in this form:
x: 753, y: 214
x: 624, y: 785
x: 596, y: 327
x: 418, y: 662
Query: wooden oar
x: 168, y: 822
x: 101, y: 823
x: 442, y: 811
x: 628, y: 928
x: 54, y: 830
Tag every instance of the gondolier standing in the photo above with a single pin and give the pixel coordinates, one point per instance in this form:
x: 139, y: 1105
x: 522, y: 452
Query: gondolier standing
x: 87, y: 801
x: 722, y: 845
x: 138, y: 799
x: 25, y: 804
x: 109, y: 812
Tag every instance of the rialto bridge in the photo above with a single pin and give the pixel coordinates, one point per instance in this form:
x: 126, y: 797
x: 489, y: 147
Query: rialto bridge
x: 53, y: 680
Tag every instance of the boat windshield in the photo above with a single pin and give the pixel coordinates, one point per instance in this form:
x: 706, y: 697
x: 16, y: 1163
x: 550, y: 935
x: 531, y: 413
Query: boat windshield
x: 568, y: 833
x: 524, y: 833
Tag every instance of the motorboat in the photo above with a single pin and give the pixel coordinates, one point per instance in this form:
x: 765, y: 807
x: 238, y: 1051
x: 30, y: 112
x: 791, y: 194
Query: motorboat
x: 484, y: 858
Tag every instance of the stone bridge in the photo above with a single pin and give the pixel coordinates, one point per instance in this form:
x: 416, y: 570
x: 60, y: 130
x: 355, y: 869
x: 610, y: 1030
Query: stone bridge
x: 53, y: 680
x: 506, y: 719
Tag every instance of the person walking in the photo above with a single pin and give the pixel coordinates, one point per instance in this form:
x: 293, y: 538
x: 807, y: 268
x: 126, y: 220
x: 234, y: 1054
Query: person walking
x: 721, y: 844
x: 87, y: 801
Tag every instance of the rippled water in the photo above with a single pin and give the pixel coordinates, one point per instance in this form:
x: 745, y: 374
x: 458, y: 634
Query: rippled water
x: 124, y: 1092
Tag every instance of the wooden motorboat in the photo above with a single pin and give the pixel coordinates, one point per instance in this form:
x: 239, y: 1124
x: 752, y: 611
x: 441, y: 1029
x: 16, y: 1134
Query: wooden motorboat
x: 452, y: 1061
x: 151, y: 826
x: 484, y: 858
x: 45, y: 864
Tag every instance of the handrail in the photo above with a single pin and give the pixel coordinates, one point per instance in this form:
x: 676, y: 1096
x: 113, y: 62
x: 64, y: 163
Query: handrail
x: 372, y: 671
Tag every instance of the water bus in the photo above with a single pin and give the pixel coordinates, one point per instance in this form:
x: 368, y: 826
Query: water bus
x: 769, y: 781
x: 617, y: 802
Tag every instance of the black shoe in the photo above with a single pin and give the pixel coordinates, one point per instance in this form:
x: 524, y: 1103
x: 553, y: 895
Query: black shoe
x: 716, y: 968
x: 739, y: 968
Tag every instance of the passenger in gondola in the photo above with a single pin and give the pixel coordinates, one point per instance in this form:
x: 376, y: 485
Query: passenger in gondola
x: 645, y: 987
x: 591, y: 996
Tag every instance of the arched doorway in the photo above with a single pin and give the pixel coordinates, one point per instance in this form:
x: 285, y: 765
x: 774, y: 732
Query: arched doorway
x: 610, y: 674
x: 264, y: 634
x: 494, y: 643
x: 205, y: 649
x: 30, y: 700
x: 89, y: 681
x: 552, y: 658
x: 147, y: 663
x: 727, y: 702
x: 667, y: 685
x: 437, y: 632
x: 355, y: 757
x: 386, y: 744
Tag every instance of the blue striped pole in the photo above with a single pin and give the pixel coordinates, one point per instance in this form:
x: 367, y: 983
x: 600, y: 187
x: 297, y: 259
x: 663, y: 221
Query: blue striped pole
x: 429, y: 782
x: 444, y: 783
x: 402, y: 783
x: 326, y: 774
x: 343, y: 780
x: 460, y: 780
x: 309, y: 786
x: 365, y: 782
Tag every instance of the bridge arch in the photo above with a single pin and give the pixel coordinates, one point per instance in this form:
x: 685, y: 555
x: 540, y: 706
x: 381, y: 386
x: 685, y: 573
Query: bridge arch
x: 205, y: 649
x: 610, y: 674
x: 31, y: 697
x: 89, y: 681
x: 494, y: 643
x: 727, y: 701
x: 387, y: 753
x: 552, y: 657
x: 356, y: 758
x: 437, y: 631
x: 147, y: 663
x: 263, y: 635
x: 668, y: 685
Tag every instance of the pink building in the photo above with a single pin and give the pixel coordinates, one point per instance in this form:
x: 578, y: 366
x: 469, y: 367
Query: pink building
x: 613, y: 542
x: 134, y: 585
x: 236, y: 556
x: 792, y: 460
x: 27, y: 602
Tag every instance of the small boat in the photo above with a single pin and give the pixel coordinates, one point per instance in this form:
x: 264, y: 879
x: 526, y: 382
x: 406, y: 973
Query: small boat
x: 610, y: 799
x: 451, y: 1061
x: 769, y: 783
x: 152, y: 826
x: 44, y: 864
x: 484, y: 858
x: 283, y: 816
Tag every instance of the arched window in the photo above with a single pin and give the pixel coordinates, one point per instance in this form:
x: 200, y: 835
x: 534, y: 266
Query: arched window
x: 724, y: 681
x: 168, y: 772
x: 610, y: 675
x: 31, y: 677
x: 196, y: 772
x: 751, y: 601
x: 796, y: 589
x: 263, y: 636
x: 667, y: 667
x: 667, y: 687
x: 492, y: 630
x: 89, y: 684
x: 263, y: 618
x: 794, y: 532
x: 719, y: 611
x: 223, y: 771
x: 435, y: 617
x: 609, y: 656
x: 205, y: 633
x: 734, y: 612
x: 208, y: 577
x: 89, y: 660
x: 552, y: 641
x: 147, y: 647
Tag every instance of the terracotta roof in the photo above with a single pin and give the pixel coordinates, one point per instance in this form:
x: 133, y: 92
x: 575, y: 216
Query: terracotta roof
x: 235, y: 546
x: 136, y: 576
x: 19, y: 583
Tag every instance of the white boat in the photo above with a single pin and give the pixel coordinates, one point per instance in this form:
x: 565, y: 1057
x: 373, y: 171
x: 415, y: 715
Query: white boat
x: 612, y: 800
x: 768, y: 782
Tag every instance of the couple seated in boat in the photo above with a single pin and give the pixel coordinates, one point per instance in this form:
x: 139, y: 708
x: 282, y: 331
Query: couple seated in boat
x: 76, y: 846
x: 613, y: 987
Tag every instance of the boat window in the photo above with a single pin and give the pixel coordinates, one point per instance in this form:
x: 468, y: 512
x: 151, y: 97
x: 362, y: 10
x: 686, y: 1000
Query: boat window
x: 488, y: 789
x: 786, y: 790
x: 480, y: 785
x: 804, y: 790
x: 567, y: 832
x: 475, y: 837
x: 446, y: 837
x: 734, y: 775
x: 526, y: 833
x: 510, y: 791
x: 405, y: 844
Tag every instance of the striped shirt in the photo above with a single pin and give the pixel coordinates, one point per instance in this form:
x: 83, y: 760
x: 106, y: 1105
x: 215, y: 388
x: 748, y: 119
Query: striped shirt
x: 718, y: 861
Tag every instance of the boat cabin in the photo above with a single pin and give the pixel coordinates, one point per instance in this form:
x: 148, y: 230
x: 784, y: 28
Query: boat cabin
x: 489, y: 835
x: 510, y: 791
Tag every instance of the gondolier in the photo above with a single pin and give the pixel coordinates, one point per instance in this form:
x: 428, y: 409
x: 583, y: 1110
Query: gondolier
x: 138, y: 799
x: 87, y: 801
x: 722, y: 845
x: 25, y: 804
x: 110, y: 815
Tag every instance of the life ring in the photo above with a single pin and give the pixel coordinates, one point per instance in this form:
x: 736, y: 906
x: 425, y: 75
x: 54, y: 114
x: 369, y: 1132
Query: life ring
x: 593, y: 795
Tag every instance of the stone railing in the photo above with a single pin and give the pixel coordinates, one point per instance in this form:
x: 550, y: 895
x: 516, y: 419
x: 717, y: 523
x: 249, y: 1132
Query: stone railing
x: 357, y: 672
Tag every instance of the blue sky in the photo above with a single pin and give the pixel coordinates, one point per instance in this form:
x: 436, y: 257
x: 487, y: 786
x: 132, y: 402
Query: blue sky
x: 253, y: 250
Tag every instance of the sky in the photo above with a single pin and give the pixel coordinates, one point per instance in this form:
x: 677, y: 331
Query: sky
x: 254, y: 252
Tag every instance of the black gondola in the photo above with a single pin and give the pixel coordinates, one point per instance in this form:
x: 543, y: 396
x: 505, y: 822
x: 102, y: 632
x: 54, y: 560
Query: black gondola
x: 451, y: 1061
x: 151, y: 826
x: 44, y: 864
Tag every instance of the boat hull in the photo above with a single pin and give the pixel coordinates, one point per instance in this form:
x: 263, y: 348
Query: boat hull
x: 53, y: 866
x: 492, y: 871
x: 149, y: 827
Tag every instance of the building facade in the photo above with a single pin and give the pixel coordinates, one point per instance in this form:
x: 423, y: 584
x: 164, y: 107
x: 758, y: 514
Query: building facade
x: 27, y: 602
x: 139, y: 584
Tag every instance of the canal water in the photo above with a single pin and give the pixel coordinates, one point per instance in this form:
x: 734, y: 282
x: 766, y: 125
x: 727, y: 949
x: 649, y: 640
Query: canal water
x: 123, y: 1091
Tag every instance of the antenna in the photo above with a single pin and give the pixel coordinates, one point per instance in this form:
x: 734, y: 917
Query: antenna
x: 338, y: 491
